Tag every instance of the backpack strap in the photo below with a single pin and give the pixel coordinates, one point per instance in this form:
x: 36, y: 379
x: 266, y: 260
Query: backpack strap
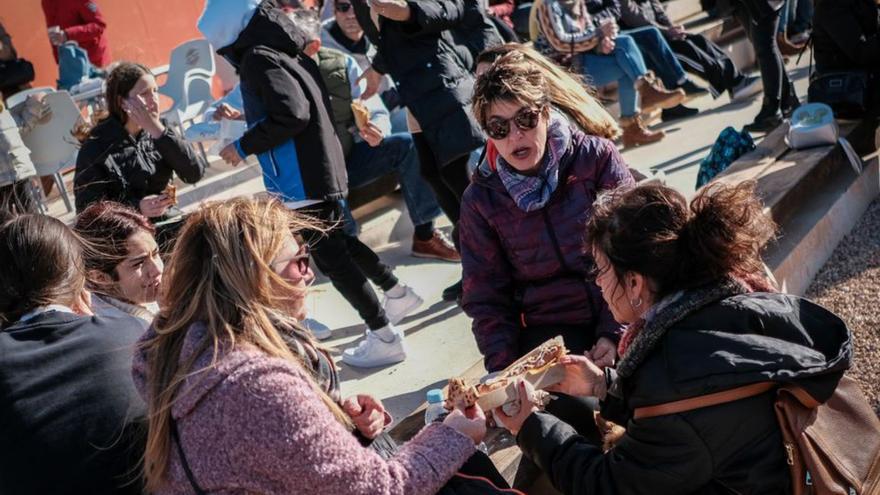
x: 189, y: 474
x: 702, y: 401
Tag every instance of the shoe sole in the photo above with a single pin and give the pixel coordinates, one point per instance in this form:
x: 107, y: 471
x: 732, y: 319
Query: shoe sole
x: 436, y: 257
x: 374, y: 364
x: 409, y: 309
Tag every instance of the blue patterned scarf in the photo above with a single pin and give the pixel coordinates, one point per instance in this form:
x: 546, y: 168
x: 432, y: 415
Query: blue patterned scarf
x: 531, y: 192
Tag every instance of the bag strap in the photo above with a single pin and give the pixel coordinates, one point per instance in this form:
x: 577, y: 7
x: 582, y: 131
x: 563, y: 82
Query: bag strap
x: 186, y: 469
x: 702, y: 401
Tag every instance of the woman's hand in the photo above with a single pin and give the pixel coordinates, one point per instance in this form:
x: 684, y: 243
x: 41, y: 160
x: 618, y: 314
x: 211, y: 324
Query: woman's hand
x: 396, y: 10
x: 606, y: 46
x: 582, y: 378
x: 226, y: 111
x: 230, y: 155
x: 154, y: 205
x: 471, y: 422
x: 367, y: 413
x: 373, y: 79
x: 609, y: 28
x: 372, y: 134
x: 137, y: 111
x: 603, y: 353
x: 527, y: 408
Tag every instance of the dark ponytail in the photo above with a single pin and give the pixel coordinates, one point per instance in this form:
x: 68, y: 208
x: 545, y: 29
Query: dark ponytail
x: 650, y: 229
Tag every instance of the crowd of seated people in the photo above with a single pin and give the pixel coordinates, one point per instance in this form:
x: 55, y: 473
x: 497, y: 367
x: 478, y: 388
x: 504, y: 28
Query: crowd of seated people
x: 174, y: 354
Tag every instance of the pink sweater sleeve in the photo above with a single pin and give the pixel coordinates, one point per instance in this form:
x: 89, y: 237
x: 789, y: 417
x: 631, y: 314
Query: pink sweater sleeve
x: 291, y: 441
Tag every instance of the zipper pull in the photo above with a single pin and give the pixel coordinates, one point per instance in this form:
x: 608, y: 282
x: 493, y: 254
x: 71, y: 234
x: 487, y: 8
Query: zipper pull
x: 789, y: 453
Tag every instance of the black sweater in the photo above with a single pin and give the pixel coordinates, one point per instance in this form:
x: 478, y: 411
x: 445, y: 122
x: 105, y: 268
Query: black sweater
x: 114, y: 165
x: 71, y: 420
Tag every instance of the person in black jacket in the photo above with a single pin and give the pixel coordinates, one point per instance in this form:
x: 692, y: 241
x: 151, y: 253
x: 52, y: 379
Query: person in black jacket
x: 293, y: 135
x: 70, y: 418
x: 688, y: 279
x: 846, y: 37
x: 429, y: 49
x: 130, y: 156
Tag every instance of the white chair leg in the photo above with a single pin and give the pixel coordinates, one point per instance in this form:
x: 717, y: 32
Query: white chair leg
x: 59, y: 181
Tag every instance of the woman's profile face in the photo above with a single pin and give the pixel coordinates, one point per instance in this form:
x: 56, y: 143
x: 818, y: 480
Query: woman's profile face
x: 292, y: 264
x: 613, y: 291
x: 525, y: 140
x: 139, y: 275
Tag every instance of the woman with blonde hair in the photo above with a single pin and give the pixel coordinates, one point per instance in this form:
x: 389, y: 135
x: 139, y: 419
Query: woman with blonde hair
x: 240, y: 396
x: 523, y: 216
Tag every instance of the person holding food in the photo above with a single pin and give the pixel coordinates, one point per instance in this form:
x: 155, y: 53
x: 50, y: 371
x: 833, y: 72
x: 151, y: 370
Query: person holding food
x: 131, y: 155
x: 525, y: 273
x: 688, y: 280
x: 241, y: 398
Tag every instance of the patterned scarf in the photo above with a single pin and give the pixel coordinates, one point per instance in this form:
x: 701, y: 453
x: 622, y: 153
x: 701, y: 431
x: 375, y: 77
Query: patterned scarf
x: 529, y: 192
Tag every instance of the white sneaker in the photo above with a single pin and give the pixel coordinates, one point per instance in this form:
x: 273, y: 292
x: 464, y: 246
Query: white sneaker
x: 373, y: 351
x: 749, y: 86
x: 396, y: 308
x: 318, y: 329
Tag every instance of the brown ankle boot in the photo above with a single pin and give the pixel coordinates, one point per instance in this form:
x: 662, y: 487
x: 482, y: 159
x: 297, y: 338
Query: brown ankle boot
x: 653, y: 95
x: 635, y: 133
x: 787, y: 47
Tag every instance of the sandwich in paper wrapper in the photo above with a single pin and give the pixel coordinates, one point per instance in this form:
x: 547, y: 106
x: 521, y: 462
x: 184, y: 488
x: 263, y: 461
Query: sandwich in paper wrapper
x: 540, y: 367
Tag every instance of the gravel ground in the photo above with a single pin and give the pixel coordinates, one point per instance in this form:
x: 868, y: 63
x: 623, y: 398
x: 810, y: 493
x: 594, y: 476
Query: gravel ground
x: 849, y: 285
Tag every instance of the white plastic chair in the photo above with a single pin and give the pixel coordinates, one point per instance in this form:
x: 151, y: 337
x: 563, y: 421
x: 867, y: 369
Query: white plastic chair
x: 53, y: 147
x: 188, y: 82
x: 19, y: 97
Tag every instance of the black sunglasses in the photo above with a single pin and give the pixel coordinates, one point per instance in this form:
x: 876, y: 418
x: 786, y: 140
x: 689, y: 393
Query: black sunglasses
x: 343, y: 7
x: 526, y: 119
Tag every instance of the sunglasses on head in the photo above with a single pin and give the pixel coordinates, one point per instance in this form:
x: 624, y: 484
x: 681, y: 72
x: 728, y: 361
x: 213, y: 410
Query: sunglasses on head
x: 343, y: 7
x: 525, y: 119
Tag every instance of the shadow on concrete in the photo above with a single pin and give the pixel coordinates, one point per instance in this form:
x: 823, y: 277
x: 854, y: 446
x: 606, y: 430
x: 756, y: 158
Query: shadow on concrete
x: 447, y: 310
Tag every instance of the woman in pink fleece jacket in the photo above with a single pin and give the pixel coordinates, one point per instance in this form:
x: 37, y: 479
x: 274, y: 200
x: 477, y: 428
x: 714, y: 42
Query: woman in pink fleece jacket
x: 240, y: 397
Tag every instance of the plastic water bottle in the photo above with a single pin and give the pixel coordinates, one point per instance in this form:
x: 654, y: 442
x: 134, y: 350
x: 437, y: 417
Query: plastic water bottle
x: 435, y: 410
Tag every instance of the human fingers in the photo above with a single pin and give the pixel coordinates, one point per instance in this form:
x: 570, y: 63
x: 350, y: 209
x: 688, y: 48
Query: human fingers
x: 351, y: 407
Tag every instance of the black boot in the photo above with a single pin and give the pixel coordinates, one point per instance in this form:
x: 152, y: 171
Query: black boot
x: 766, y: 120
x: 678, y: 112
x: 453, y: 292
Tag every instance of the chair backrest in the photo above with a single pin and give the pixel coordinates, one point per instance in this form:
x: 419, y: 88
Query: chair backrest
x: 190, y: 58
x: 19, y: 97
x: 51, y: 143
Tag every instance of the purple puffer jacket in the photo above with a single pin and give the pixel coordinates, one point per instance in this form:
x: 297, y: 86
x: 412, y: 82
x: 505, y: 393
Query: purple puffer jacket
x: 526, y: 269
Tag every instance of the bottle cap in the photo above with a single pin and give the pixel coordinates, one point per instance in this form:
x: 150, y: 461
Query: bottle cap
x: 435, y: 395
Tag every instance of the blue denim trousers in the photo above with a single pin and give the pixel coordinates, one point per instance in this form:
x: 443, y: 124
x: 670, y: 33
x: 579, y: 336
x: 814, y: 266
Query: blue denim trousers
x: 658, y: 55
x: 396, y: 153
x: 625, y: 65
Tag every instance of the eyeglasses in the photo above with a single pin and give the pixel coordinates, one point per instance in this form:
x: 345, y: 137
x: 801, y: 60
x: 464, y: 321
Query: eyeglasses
x: 301, y: 259
x: 343, y: 7
x: 526, y: 119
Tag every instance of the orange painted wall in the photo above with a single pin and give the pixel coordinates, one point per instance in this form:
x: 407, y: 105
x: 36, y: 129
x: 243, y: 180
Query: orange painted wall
x: 139, y: 30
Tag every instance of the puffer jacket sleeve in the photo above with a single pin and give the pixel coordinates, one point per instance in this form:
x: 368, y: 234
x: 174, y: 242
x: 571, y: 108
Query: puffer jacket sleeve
x: 656, y: 456
x: 433, y: 16
x: 488, y: 287
x: 180, y: 156
x: 287, y: 107
x: 295, y: 444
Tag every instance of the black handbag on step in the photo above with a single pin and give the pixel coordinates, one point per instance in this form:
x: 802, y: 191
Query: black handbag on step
x: 845, y: 92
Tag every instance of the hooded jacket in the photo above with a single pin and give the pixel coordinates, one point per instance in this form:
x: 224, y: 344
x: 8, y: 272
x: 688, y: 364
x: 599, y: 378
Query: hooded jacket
x: 116, y: 166
x: 709, y: 339
x: 523, y: 269
x: 285, y: 102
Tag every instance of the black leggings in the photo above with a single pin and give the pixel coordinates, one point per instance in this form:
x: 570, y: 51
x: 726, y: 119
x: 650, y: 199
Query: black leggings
x: 778, y: 89
x: 348, y: 263
x: 448, y: 181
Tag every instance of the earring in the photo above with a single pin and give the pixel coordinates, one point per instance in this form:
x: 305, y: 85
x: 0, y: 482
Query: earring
x: 637, y: 303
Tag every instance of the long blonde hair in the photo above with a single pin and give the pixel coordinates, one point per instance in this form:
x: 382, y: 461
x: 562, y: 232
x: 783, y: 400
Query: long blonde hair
x: 567, y: 92
x: 219, y: 274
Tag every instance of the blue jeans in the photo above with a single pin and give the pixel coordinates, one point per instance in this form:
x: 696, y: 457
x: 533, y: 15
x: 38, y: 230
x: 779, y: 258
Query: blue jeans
x: 795, y: 16
x: 624, y: 65
x: 396, y: 153
x: 659, y: 56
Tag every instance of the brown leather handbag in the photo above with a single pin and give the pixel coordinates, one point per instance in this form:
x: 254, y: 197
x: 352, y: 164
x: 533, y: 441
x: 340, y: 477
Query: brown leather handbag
x: 832, y: 447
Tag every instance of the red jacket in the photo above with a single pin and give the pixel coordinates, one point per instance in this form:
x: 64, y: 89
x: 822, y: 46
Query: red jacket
x: 81, y: 21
